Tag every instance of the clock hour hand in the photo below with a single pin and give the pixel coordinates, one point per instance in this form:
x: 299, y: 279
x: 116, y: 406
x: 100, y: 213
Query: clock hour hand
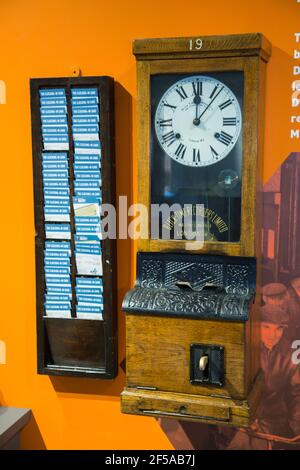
x: 197, y: 101
x: 215, y: 97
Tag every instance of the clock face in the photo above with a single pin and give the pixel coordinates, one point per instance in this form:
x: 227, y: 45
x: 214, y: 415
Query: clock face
x: 198, y: 121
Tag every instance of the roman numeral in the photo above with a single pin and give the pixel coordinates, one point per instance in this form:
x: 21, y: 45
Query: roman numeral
x: 165, y: 122
x: 213, y: 92
x: 197, y: 88
x: 181, y: 92
x: 225, y: 104
x: 214, y: 153
x: 229, y: 121
x: 169, y: 138
x: 169, y: 105
x: 224, y: 138
x: 180, y: 151
x: 196, y: 155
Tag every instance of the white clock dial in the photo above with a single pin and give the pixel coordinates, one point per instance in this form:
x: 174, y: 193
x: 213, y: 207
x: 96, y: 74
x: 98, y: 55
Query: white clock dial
x: 198, y: 121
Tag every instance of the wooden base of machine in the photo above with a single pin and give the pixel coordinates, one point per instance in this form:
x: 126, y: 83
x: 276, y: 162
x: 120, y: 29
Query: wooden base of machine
x: 198, y: 408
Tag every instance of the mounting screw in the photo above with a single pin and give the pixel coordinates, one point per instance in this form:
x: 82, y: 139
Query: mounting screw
x: 76, y: 71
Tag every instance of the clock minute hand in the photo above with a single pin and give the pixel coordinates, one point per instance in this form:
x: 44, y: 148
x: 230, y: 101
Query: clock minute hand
x: 211, y: 103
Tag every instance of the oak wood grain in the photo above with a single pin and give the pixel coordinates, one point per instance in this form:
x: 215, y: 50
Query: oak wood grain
x: 158, y: 354
x: 208, y: 409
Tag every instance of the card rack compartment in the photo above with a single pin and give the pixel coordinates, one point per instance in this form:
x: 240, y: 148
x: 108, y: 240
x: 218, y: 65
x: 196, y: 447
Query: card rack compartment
x: 74, y: 342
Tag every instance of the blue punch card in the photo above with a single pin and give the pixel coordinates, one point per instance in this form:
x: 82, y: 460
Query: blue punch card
x: 84, y: 92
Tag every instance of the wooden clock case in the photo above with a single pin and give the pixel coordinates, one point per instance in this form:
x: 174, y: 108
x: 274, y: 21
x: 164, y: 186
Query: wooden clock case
x: 162, y: 344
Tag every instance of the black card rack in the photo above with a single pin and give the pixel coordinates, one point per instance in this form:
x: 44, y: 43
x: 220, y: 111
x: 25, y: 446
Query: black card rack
x: 74, y: 345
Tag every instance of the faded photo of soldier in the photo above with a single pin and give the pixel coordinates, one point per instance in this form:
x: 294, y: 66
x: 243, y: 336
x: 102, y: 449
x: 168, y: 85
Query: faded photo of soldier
x: 278, y: 295
x: 278, y: 415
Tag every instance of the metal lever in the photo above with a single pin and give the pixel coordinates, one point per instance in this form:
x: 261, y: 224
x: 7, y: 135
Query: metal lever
x: 184, y: 285
x: 203, y: 361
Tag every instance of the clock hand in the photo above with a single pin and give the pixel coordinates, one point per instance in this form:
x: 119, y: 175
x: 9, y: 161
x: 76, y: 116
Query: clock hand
x: 211, y: 103
x: 197, y: 101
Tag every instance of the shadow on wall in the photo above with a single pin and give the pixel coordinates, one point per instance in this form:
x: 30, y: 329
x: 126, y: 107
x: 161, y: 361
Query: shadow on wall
x: 31, y: 437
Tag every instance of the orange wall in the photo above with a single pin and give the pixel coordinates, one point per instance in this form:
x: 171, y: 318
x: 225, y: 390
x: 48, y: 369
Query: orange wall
x: 46, y: 39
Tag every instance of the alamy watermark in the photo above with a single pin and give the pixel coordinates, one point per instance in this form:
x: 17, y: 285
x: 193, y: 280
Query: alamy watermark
x: 2, y: 92
x: 161, y: 221
x: 296, y: 353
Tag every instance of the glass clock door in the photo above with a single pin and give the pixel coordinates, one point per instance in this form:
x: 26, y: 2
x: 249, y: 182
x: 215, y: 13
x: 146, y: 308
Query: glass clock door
x: 196, y: 147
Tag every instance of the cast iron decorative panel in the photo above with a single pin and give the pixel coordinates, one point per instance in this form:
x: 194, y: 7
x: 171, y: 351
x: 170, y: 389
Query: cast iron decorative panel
x: 189, y: 285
